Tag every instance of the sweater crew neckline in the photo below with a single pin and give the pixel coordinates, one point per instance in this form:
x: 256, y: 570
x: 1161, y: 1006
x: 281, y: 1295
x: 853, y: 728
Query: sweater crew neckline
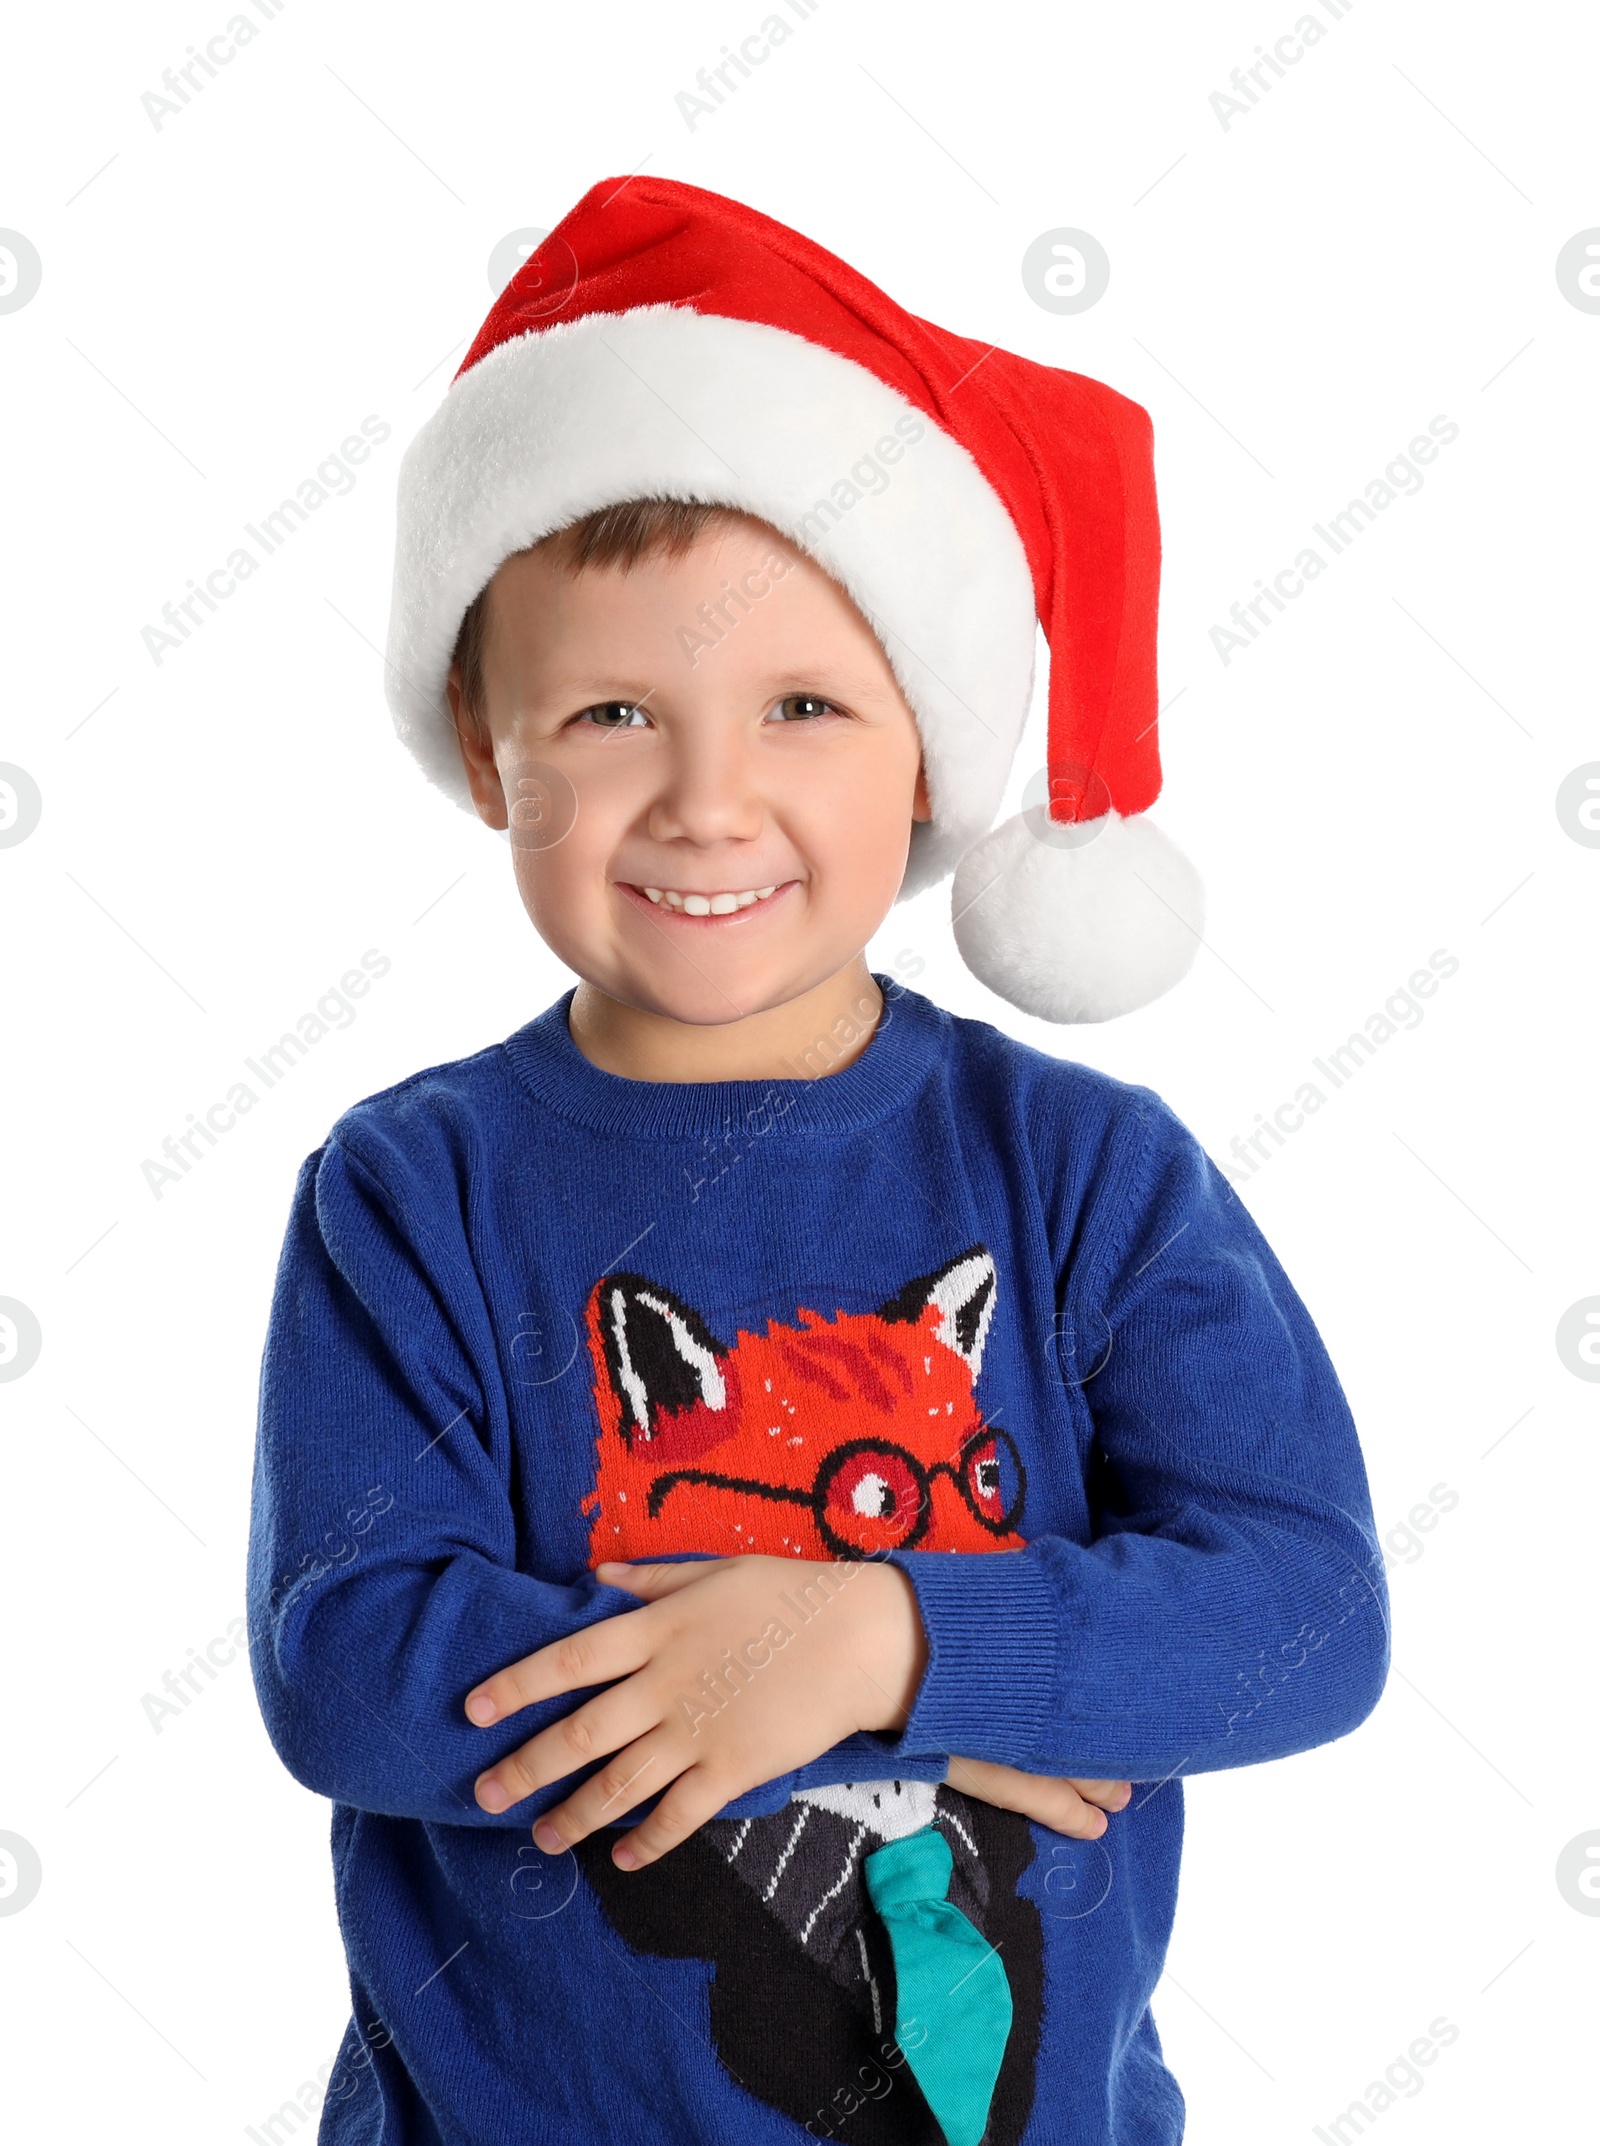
x: 903, y: 1050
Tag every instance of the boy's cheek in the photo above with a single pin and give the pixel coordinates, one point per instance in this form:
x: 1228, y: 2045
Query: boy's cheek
x: 568, y: 899
x: 542, y: 806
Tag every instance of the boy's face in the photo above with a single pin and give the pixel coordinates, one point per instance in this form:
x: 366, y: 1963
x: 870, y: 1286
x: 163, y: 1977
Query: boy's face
x: 638, y: 751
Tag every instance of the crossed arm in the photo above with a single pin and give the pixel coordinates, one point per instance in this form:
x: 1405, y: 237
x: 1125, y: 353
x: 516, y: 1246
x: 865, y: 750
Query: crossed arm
x: 1229, y: 1608
x: 715, y: 1686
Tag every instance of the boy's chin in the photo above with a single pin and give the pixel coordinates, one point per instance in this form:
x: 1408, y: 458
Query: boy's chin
x: 717, y: 990
x: 713, y: 1001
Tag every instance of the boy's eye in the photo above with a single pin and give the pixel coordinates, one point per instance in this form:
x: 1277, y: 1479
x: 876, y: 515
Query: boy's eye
x: 803, y: 707
x: 612, y: 715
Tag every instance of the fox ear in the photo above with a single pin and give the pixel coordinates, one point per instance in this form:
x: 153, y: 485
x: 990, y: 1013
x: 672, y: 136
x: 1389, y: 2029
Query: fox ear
x: 660, y: 1354
x: 962, y: 1290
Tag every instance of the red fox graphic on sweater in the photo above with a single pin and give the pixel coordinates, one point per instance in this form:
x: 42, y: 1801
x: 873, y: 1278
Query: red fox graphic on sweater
x: 837, y: 1437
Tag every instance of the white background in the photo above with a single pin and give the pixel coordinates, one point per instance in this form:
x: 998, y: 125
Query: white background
x: 1293, y: 297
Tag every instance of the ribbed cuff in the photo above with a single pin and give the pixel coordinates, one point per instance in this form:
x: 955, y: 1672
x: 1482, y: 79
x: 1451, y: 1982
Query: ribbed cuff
x: 867, y: 1756
x: 993, y: 1624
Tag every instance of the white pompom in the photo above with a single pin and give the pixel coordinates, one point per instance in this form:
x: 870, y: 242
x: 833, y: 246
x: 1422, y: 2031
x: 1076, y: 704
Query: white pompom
x: 1077, y: 923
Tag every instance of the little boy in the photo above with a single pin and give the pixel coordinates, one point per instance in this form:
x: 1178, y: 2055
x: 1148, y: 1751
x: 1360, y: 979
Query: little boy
x: 805, y: 1456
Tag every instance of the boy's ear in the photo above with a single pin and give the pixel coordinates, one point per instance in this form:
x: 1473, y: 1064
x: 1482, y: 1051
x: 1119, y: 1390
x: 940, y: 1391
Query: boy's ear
x: 477, y: 753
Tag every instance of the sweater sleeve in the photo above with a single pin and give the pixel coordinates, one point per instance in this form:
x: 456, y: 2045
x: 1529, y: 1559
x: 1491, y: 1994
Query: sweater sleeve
x: 382, y: 1579
x: 1230, y: 1605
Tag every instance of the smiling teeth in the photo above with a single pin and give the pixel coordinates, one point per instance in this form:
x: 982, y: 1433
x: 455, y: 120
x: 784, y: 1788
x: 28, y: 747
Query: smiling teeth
x: 709, y: 905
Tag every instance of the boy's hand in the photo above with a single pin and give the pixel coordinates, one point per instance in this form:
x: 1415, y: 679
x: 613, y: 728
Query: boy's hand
x: 1065, y: 1806
x: 738, y: 1669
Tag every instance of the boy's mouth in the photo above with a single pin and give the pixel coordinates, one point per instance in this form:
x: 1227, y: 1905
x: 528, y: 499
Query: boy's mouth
x: 708, y: 906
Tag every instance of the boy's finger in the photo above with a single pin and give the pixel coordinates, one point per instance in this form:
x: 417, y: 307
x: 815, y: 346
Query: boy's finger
x: 615, y: 1647
x: 692, y: 1799
x: 636, y: 1773
x: 654, y: 1580
x: 1043, y: 1798
x: 618, y: 1716
x: 1058, y: 1805
x: 1109, y: 1795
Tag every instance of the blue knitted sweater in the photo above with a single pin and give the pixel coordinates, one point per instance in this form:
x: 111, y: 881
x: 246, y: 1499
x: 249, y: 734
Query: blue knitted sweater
x: 984, y: 1311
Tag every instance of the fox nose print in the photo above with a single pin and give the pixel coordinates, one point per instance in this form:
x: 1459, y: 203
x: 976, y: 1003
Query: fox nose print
x: 989, y: 1474
x: 949, y: 1517
x: 982, y: 1482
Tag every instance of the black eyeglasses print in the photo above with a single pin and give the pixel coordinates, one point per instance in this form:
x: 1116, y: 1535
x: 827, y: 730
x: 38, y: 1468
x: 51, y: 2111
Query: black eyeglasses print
x: 920, y: 1473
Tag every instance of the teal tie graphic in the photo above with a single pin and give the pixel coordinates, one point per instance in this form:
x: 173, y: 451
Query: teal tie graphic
x: 952, y: 1999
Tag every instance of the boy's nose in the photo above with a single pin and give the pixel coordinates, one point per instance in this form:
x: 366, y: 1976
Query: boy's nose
x: 708, y: 793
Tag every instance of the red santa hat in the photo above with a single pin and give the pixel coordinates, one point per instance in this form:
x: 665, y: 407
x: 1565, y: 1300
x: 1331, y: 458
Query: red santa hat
x: 665, y: 342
